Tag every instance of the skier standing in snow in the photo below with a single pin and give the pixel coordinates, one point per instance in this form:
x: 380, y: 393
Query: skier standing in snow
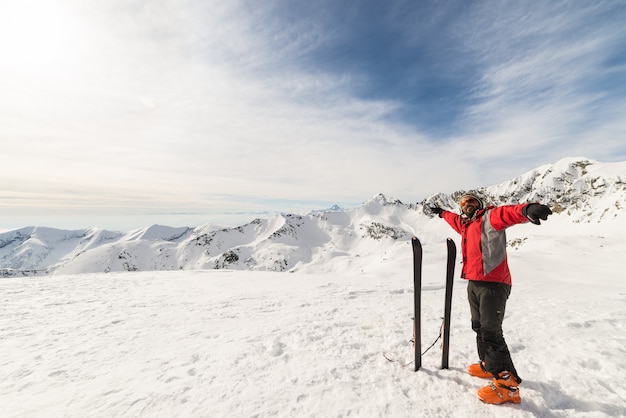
x: 483, y: 248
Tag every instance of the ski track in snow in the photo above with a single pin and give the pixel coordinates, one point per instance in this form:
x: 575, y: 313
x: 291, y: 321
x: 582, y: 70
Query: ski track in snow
x: 257, y: 344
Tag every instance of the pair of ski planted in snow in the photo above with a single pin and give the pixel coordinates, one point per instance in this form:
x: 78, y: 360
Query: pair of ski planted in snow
x: 417, y: 299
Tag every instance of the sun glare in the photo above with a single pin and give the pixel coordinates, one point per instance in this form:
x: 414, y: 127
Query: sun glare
x: 41, y: 38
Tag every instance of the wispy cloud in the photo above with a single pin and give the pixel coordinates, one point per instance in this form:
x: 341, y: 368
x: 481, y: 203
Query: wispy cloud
x: 548, y: 84
x: 220, y: 107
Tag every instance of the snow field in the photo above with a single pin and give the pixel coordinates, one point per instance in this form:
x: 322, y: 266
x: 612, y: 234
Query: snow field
x: 243, y: 344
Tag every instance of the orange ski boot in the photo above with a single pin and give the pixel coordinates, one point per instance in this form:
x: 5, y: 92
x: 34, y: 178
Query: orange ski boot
x: 478, y: 370
x: 501, y: 389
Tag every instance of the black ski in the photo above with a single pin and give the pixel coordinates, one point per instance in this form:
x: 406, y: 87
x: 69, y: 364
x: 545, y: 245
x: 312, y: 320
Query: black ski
x: 448, y: 304
x: 417, y: 299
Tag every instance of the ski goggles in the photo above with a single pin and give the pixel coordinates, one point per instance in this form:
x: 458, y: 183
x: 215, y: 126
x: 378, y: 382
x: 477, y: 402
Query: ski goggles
x: 467, y: 200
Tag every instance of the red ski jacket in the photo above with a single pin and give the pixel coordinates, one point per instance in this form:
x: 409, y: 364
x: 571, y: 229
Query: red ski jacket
x: 483, y: 241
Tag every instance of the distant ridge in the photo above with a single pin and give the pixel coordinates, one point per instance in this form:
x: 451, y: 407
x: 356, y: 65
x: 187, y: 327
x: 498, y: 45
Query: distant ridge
x: 580, y: 191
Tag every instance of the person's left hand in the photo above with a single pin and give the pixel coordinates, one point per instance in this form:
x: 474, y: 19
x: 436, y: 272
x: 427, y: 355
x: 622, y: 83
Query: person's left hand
x: 536, y: 211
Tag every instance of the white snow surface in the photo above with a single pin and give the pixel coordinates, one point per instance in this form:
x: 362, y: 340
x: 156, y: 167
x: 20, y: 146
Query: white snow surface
x: 315, y: 339
x: 224, y: 343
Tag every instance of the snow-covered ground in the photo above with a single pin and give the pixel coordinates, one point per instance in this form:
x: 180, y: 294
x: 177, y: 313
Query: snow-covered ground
x: 224, y: 343
x: 314, y: 340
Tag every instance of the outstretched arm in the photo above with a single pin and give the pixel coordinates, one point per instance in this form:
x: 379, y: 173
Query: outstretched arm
x: 502, y: 217
x: 452, y: 219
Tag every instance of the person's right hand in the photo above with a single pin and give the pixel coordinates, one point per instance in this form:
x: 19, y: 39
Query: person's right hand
x: 436, y: 210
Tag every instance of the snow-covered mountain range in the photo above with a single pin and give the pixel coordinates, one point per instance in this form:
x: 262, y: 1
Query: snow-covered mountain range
x: 585, y: 195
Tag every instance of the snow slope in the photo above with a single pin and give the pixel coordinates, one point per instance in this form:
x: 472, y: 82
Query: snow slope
x: 218, y: 339
x: 225, y: 343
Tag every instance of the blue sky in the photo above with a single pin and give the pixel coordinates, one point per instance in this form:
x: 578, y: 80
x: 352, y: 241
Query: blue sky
x: 126, y: 113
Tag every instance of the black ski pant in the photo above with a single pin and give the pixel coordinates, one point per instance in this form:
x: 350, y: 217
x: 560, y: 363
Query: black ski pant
x: 487, y: 302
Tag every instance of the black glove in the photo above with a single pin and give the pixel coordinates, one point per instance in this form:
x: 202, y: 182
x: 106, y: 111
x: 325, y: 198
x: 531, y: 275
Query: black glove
x: 535, y: 211
x: 435, y: 210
